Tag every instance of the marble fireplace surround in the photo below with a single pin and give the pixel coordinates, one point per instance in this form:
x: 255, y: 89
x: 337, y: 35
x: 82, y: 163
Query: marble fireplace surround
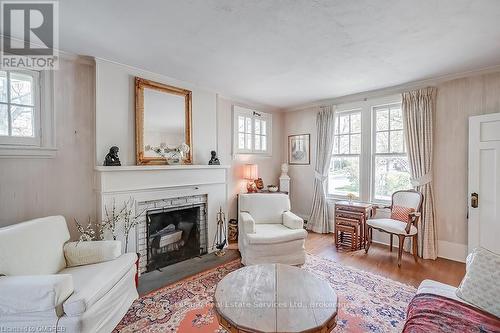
x: 161, y: 184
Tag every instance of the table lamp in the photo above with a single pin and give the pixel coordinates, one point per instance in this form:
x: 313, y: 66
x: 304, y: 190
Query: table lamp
x: 250, y: 173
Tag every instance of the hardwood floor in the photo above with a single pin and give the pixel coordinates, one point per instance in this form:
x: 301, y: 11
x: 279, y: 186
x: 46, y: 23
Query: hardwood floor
x: 381, y: 261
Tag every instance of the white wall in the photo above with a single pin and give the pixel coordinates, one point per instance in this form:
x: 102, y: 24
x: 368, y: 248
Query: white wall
x: 457, y: 100
x: 115, y: 112
x: 36, y: 187
x: 269, y: 166
x: 212, y: 125
x: 302, y: 176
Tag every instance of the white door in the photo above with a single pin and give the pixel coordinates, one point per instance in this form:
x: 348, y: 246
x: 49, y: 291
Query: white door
x: 484, y: 182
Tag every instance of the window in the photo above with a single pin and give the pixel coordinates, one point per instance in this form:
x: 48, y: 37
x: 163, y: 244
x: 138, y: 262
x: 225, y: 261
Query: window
x: 19, y: 105
x: 344, y: 168
x: 369, y: 162
x: 252, y: 134
x: 26, y: 113
x: 390, y: 171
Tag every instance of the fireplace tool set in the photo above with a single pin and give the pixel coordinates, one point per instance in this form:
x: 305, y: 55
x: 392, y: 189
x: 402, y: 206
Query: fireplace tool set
x: 220, y: 234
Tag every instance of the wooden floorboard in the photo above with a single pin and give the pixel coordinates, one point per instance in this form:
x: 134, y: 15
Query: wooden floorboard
x: 381, y: 261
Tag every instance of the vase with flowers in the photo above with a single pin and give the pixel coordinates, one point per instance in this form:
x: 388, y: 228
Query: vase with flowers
x: 172, y: 156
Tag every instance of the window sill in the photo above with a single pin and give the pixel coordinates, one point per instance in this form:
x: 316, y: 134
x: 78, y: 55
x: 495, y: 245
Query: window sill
x: 27, y: 152
x: 243, y: 155
x: 334, y: 198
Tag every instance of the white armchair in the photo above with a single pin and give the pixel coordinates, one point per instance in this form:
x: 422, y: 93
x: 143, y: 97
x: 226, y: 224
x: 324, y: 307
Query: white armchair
x: 47, y: 283
x: 268, y: 232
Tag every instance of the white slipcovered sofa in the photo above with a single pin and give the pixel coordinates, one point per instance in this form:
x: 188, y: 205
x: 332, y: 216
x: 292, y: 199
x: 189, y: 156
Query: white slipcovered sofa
x: 268, y: 232
x: 39, y: 292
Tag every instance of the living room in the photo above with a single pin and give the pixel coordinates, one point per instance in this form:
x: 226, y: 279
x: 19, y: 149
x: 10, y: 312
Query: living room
x: 264, y: 166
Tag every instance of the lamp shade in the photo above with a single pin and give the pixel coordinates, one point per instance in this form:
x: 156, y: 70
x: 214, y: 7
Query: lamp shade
x: 251, y: 171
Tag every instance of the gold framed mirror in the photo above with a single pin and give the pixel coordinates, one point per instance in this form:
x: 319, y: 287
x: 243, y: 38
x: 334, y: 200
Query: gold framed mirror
x: 162, y: 123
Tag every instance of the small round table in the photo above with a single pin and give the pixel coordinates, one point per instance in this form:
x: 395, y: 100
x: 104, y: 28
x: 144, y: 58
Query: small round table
x: 275, y: 298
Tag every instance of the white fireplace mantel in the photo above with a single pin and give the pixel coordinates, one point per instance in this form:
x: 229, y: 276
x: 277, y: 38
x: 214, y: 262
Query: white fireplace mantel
x: 138, y: 177
x: 102, y: 168
x: 148, y: 183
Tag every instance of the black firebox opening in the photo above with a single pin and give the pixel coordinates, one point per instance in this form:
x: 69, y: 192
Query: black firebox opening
x: 172, y: 236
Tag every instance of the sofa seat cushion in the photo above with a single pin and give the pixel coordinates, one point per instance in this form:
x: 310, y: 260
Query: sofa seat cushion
x: 92, y: 282
x: 274, y: 233
x: 392, y: 226
x: 438, y: 288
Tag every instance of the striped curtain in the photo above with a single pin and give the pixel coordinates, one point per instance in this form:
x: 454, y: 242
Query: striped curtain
x: 325, y: 124
x: 418, y: 109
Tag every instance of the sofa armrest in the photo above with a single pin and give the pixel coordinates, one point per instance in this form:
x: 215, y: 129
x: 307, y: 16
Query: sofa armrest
x: 247, y: 222
x: 33, y: 293
x: 86, y: 253
x: 292, y: 221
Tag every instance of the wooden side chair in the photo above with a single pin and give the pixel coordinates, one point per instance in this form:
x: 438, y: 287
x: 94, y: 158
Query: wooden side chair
x: 405, y: 214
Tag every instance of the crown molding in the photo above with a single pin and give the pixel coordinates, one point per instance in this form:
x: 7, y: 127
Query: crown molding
x: 64, y: 55
x: 397, y: 89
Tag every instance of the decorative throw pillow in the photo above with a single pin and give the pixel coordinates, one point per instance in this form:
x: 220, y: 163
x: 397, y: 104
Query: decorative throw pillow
x: 401, y: 213
x: 92, y: 252
x: 480, y: 285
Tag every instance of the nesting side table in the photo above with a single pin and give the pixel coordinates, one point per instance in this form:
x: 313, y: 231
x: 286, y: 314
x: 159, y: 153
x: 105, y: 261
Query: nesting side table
x: 350, y: 224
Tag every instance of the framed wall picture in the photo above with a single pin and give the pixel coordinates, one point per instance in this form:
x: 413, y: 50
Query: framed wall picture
x: 299, y: 149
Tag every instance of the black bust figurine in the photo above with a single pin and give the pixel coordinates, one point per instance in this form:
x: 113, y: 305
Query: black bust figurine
x: 214, y: 160
x: 112, y: 157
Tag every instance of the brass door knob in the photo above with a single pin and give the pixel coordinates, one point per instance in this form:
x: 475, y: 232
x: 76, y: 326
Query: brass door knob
x: 474, y: 200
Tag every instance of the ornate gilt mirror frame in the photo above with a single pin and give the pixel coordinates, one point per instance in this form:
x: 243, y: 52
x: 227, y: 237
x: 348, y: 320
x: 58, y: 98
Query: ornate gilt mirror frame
x: 140, y: 85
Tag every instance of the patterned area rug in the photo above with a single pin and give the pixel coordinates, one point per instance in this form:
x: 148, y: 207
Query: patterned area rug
x: 367, y: 302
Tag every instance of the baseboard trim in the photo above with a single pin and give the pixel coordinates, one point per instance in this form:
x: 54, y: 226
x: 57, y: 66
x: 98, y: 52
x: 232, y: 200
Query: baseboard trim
x: 452, y: 251
x: 446, y: 250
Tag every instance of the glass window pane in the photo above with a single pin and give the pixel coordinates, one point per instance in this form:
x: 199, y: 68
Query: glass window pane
x: 396, y: 118
x: 257, y: 126
x: 356, y: 123
x: 263, y: 127
x: 397, y: 142
x: 3, y: 86
x: 336, y: 144
x: 355, y: 144
x: 391, y: 175
x: 344, y: 124
x: 257, y: 142
x: 22, y: 121
x: 337, y: 121
x: 241, y: 124
x: 264, y: 143
x: 248, y: 125
x: 21, y: 89
x: 4, y: 120
x: 344, y: 144
x: 382, y: 119
x: 343, y: 177
x: 241, y: 141
x: 382, y: 144
x: 248, y: 141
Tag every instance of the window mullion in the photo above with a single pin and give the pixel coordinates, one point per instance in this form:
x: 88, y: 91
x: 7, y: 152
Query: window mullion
x: 365, y: 153
x: 9, y: 116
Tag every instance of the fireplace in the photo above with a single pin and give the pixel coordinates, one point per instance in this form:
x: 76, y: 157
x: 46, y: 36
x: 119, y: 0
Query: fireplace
x: 172, y: 230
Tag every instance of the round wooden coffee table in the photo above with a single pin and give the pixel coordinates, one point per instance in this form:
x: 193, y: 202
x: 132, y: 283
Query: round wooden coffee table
x: 275, y: 298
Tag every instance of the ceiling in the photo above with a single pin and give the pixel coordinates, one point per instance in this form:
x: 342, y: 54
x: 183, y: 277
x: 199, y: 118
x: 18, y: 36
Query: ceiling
x: 284, y: 53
